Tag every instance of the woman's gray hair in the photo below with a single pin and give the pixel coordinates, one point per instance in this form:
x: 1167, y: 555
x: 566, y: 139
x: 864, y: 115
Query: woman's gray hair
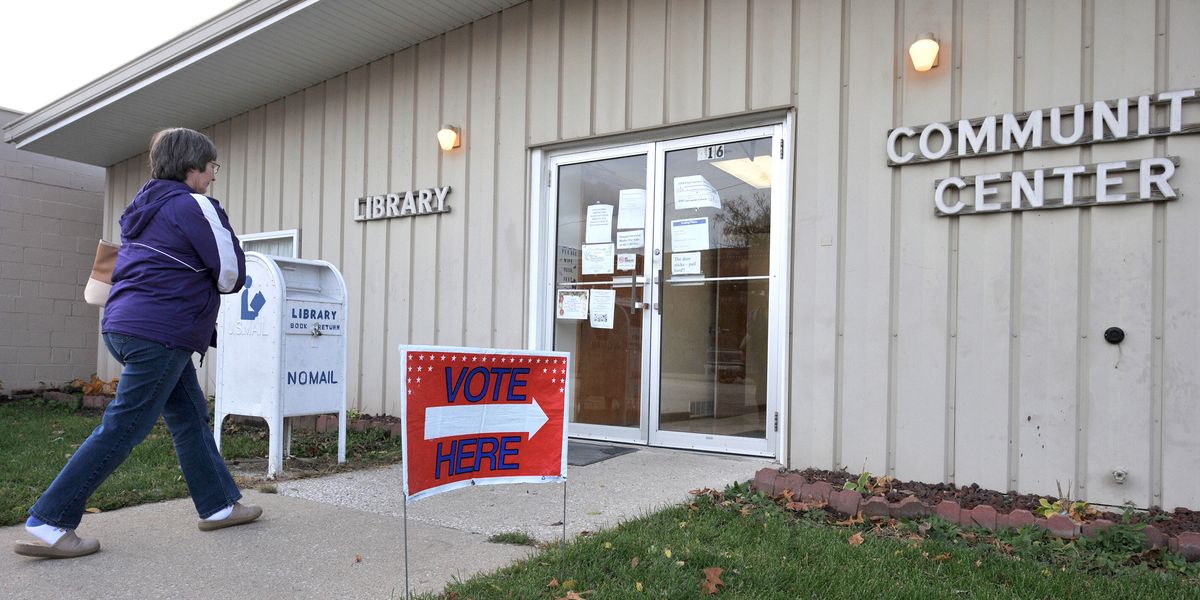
x: 175, y: 151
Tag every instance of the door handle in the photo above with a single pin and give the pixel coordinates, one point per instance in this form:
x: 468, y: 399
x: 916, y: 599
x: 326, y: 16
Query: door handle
x: 658, y: 291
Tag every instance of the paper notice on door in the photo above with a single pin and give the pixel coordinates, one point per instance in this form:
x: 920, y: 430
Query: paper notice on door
x: 631, y: 209
x: 694, y: 191
x: 602, y: 308
x: 686, y: 263
x: 597, y: 259
x: 689, y: 234
x: 626, y: 262
x: 629, y: 239
x: 572, y: 304
x: 599, y: 224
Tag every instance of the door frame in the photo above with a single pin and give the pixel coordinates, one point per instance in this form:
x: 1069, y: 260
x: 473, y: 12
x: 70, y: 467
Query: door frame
x: 611, y: 433
x: 780, y: 234
x: 541, y: 258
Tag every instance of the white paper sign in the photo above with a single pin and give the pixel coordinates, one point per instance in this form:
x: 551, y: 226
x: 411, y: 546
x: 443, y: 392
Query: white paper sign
x: 626, y: 262
x: 631, y: 209
x: 599, y: 224
x: 597, y: 259
x: 686, y: 263
x: 630, y: 239
x: 602, y: 308
x: 694, y: 191
x: 689, y: 234
x: 572, y: 304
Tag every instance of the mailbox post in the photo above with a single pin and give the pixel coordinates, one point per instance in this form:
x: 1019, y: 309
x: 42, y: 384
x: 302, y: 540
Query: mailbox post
x: 281, y: 349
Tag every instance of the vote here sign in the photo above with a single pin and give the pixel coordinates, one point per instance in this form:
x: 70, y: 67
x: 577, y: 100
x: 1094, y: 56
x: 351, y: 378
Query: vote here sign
x: 482, y: 416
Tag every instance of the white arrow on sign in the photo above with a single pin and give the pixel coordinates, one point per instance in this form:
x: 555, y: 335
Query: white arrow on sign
x: 450, y: 421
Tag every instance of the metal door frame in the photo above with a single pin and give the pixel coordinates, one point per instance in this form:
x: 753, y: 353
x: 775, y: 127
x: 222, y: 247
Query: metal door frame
x: 543, y: 251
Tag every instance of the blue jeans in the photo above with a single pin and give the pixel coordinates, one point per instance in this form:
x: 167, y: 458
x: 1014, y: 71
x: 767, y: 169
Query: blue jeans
x: 156, y: 380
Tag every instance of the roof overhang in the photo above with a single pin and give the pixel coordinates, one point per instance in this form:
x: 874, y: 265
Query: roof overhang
x: 252, y: 54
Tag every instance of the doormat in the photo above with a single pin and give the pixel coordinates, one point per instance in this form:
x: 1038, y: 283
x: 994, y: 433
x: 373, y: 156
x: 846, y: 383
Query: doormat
x: 581, y: 455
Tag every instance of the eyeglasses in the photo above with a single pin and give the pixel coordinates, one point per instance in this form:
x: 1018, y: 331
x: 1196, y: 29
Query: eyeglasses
x: 216, y: 167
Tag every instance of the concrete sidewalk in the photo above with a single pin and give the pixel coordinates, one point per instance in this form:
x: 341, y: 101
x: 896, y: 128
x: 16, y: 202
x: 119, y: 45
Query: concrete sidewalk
x: 342, y: 536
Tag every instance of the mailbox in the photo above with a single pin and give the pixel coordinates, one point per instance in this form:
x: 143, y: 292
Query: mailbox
x: 281, y: 349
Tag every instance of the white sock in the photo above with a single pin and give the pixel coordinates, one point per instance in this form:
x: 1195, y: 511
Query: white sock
x: 46, y: 532
x: 221, y: 514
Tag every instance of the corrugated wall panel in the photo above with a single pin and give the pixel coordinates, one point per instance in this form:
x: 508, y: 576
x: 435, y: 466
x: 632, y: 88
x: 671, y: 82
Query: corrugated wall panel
x: 962, y: 348
x: 612, y: 65
x: 1120, y: 277
x: 923, y: 359
x: 820, y: 157
x: 866, y: 214
x: 376, y: 258
x: 726, y: 84
x: 401, y: 250
x: 647, y: 72
x: 353, y: 235
x: 479, y: 190
x: 984, y: 263
x: 576, y: 69
x: 1181, y: 320
x: 1049, y: 259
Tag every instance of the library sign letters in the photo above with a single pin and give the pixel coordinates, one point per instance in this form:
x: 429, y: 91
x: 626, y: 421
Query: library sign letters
x: 1137, y: 179
x: 413, y: 203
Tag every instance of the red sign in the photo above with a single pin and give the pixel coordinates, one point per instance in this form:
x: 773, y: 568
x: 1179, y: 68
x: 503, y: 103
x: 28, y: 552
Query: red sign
x: 482, y: 416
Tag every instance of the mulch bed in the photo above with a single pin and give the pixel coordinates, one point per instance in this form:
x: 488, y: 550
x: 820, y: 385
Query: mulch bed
x: 969, y: 496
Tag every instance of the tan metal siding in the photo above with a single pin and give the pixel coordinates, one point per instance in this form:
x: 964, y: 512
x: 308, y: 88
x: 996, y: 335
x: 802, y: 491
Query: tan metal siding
x: 965, y: 348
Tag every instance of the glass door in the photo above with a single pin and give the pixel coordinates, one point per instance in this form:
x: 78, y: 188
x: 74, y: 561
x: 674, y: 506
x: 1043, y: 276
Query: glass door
x: 664, y: 282
x: 713, y: 291
x: 600, y: 286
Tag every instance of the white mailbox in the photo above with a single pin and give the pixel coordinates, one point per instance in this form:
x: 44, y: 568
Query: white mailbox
x: 281, y: 349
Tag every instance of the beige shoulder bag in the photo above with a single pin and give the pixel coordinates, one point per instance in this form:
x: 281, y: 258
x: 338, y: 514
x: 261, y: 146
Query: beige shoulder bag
x: 100, y: 282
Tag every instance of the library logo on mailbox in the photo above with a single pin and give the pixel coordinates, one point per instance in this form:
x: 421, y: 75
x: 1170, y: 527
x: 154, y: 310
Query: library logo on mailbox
x: 482, y: 416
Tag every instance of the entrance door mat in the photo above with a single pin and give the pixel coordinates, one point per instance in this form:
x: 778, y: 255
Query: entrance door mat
x: 580, y: 454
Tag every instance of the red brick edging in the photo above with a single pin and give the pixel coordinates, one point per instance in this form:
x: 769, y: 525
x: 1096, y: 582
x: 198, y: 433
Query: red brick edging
x: 849, y: 502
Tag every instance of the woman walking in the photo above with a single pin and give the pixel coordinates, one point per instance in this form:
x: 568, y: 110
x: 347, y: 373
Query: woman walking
x: 178, y: 254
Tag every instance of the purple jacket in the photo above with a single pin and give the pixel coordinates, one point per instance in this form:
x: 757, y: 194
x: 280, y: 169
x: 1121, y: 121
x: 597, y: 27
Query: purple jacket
x: 178, y: 253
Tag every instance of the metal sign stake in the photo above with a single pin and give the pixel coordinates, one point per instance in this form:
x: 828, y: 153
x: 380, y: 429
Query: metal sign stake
x: 562, y: 566
x: 406, y: 592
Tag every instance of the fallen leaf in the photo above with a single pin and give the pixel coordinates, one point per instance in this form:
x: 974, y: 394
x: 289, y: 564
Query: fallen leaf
x: 633, y: 563
x: 357, y: 558
x: 92, y: 509
x: 553, y: 583
x: 568, y: 584
x: 856, y: 539
x: 667, y: 552
x: 639, y: 586
x: 943, y: 557
x: 608, y: 545
x: 745, y: 510
x: 712, y: 580
x: 978, y: 563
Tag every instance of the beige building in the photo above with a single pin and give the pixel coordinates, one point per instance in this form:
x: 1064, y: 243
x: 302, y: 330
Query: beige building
x: 779, y: 226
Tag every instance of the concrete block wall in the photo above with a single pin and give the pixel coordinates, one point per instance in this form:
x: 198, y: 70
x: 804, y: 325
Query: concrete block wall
x: 50, y: 215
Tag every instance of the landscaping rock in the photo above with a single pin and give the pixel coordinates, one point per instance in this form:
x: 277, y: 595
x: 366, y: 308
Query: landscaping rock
x: 96, y: 401
x: 910, y: 508
x: 948, y: 510
x: 1062, y: 526
x: 1092, y: 528
x: 1189, y: 545
x: 876, y: 507
x: 1155, y: 538
x: 982, y: 516
x: 845, y: 501
x: 1020, y: 518
x: 789, y: 481
x: 818, y: 491
x: 764, y: 480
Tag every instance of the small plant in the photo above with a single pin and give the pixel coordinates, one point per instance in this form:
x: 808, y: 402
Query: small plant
x: 515, y: 538
x: 869, y: 486
x: 940, y: 529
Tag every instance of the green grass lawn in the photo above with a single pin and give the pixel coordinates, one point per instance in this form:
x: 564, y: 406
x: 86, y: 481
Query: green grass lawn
x: 38, y: 438
x: 764, y: 553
